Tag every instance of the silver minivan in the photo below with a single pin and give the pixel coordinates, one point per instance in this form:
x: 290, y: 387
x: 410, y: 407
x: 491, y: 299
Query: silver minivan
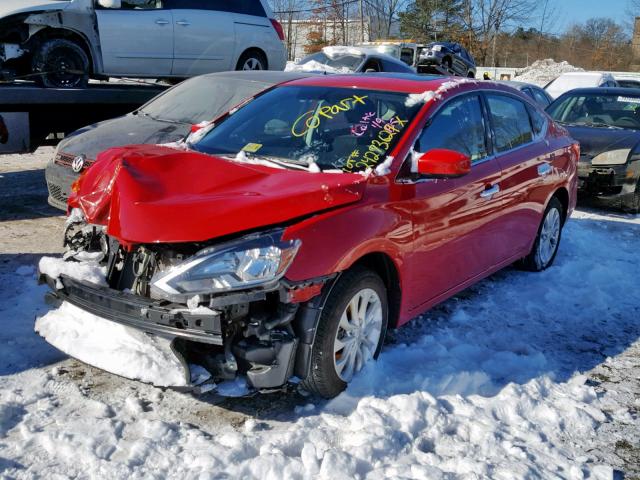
x: 63, y: 43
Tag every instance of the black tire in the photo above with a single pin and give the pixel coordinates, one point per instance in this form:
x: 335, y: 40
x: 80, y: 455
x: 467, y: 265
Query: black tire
x: 446, y: 63
x: 534, y: 262
x: 633, y: 205
x: 471, y: 75
x: 323, y: 379
x: 252, y: 58
x: 63, y: 64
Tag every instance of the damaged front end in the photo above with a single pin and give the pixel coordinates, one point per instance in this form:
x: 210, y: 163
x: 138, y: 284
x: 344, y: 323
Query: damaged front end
x: 223, y: 309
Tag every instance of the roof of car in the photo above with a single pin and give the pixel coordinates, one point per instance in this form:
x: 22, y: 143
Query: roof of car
x: 270, y: 77
x: 395, y: 82
x: 516, y: 84
x: 603, y: 91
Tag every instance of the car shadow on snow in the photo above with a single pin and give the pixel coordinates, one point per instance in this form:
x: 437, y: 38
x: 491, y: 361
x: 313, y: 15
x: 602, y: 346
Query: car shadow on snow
x: 23, y: 195
x: 21, y: 300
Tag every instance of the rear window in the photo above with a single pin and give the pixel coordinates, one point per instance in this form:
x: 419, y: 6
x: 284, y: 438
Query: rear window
x: 296, y: 127
x: 201, y: 99
x: 510, y: 120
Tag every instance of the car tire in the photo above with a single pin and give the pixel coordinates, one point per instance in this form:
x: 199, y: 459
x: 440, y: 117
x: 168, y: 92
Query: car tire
x: 545, y: 247
x: 633, y: 205
x: 252, y: 60
x: 344, y: 342
x: 471, y: 75
x: 446, y: 63
x: 54, y: 58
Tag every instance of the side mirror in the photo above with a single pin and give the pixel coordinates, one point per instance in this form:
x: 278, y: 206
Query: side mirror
x: 110, y: 3
x: 443, y: 163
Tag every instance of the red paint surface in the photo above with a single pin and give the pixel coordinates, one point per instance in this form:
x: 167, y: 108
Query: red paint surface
x: 440, y: 235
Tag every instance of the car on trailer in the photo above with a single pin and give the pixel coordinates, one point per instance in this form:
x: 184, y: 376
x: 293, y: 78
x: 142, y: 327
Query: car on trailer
x: 63, y: 43
x: 287, y: 238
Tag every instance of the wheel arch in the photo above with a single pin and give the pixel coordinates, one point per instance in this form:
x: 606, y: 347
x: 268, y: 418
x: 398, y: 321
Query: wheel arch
x: 382, y: 264
x: 49, y: 33
x: 253, y: 49
x: 562, y: 195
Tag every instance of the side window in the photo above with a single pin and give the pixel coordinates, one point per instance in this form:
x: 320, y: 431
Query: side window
x: 406, y: 55
x: 372, y: 65
x: 538, y: 121
x: 247, y: 7
x: 510, y: 121
x: 458, y: 126
x: 141, y: 4
x: 541, y: 98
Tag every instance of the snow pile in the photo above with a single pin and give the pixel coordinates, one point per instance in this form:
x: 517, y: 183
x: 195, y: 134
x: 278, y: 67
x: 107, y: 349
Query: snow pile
x: 81, y: 271
x: 339, y: 51
x: 429, y: 95
x: 541, y: 72
x: 314, y: 66
x: 488, y: 385
x: 384, y: 168
x: 112, y: 347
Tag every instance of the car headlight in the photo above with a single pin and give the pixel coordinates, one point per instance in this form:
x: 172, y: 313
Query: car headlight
x: 612, y: 157
x: 252, y: 261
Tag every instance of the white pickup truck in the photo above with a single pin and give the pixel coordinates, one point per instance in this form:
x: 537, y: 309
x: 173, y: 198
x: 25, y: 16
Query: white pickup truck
x: 63, y: 43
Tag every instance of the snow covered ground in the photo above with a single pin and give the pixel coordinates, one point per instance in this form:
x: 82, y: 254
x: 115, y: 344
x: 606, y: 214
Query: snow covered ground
x: 522, y: 376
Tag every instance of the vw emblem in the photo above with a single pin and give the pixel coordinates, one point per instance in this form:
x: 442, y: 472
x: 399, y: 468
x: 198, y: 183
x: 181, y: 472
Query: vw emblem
x: 78, y: 164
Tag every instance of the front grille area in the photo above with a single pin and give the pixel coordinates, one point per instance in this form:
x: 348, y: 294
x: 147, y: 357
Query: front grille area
x: 66, y: 159
x: 56, y: 192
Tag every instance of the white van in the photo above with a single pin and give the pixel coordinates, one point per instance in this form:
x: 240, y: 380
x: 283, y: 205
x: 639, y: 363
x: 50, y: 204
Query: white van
x: 62, y: 43
x: 569, y: 81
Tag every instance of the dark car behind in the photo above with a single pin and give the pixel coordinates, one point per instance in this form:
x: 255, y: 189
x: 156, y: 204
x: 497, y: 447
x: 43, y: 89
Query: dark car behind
x: 448, y: 58
x: 165, y: 119
x: 606, y: 122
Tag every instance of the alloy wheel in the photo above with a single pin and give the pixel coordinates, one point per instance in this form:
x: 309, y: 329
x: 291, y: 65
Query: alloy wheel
x: 252, y: 64
x: 358, y: 333
x: 549, y: 237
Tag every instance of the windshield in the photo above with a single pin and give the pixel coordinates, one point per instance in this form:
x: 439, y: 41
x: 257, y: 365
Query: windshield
x: 201, y: 99
x: 343, y: 63
x: 622, y: 111
x: 332, y: 128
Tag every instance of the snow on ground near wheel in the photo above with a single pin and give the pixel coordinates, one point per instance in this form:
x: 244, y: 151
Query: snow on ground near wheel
x: 488, y: 385
x: 112, y: 347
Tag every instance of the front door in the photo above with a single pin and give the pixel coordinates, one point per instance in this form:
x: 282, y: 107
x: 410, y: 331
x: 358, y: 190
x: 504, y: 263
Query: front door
x: 454, y: 219
x: 136, y: 39
x: 204, y: 36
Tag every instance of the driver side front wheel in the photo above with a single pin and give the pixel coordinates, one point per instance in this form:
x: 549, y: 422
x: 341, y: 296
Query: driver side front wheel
x: 350, y: 332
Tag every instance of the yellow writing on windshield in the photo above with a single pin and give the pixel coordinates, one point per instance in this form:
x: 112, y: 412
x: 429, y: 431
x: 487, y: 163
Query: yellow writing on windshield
x: 313, y: 118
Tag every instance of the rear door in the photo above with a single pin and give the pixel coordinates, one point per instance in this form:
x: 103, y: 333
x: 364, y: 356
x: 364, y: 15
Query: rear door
x: 525, y: 160
x: 136, y: 39
x: 454, y: 219
x: 205, y: 36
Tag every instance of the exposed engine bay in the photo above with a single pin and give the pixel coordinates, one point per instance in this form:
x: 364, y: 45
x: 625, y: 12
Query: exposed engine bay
x: 231, y: 331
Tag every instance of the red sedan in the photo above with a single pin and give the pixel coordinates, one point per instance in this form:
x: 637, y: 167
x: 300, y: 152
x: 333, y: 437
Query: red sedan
x: 285, y: 238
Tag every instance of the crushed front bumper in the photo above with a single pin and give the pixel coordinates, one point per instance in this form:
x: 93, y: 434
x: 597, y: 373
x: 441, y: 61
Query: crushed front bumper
x: 156, y: 317
x: 611, y: 185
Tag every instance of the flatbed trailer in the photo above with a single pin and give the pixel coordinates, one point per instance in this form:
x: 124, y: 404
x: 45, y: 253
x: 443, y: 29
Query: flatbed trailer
x: 32, y: 116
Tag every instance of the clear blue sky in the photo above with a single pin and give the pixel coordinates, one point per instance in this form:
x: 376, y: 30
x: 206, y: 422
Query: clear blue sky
x: 577, y: 11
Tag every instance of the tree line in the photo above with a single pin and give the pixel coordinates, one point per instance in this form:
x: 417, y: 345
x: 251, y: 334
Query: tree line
x: 510, y: 33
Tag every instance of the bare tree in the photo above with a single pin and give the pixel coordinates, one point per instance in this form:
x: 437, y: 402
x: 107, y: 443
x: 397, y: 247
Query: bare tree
x: 288, y: 12
x: 382, y: 14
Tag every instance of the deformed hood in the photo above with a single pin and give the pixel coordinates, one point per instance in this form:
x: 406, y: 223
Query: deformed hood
x: 153, y: 194
x: 12, y: 7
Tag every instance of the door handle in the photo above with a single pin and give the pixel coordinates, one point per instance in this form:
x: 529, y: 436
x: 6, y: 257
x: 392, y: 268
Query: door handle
x: 544, y: 169
x: 184, y: 23
x: 490, y: 191
x: 162, y: 22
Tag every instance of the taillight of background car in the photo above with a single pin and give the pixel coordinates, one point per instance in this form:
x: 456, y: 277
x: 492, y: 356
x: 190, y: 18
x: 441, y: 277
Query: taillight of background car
x: 279, y: 30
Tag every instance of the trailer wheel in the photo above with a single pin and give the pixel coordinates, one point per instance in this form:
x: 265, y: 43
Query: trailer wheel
x: 61, y: 63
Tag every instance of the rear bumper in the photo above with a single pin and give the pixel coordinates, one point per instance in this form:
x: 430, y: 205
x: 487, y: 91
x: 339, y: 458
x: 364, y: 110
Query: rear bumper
x: 155, y: 317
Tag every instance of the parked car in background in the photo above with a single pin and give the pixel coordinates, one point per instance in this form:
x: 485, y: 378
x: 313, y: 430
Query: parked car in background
x: 571, y: 80
x: 167, y: 118
x: 291, y: 234
x: 627, y: 81
x: 407, y: 52
x: 64, y: 43
x: 446, y: 57
x: 606, y: 122
x: 537, y: 94
x: 339, y: 59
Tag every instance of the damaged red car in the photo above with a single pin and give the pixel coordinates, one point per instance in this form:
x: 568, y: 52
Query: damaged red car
x: 281, y: 242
